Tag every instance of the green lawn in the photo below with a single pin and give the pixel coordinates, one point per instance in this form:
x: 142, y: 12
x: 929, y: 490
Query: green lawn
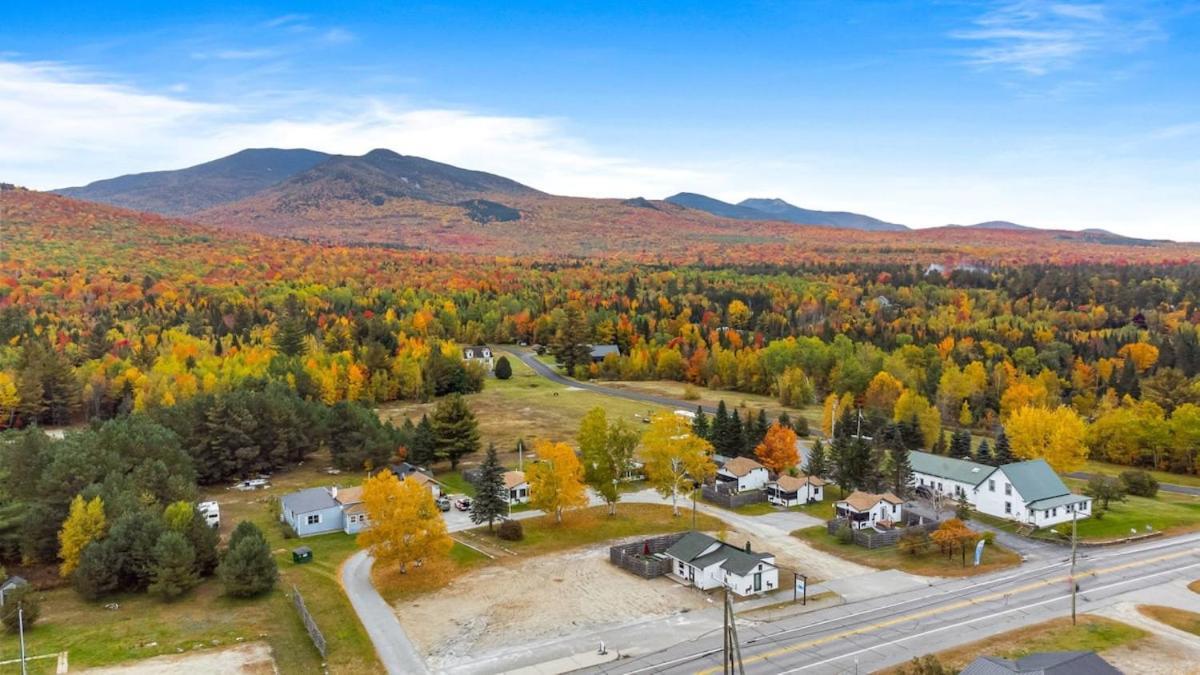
x: 592, y: 525
x: 1161, y: 476
x: 454, y: 483
x: 1092, y: 633
x: 932, y: 563
x: 822, y: 509
x: 755, y: 509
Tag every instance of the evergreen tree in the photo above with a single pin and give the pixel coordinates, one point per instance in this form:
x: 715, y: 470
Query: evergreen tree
x: 248, y: 568
x: 756, y: 434
x: 941, y: 447
x: 983, y: 454
x: 131, y: 543
x: 455, y: 432
x: 571, y: 344
x: 817, y: 464
x: 422, y: 448
x: 785, y: 420
x: 960, y: 445
x: 900, y: 477
x: 720, y: 432
x: 700, y: 423
x: 842, y: 470
x: 203, y: 540
x: 174, y: 566
x: 1002, y: 454
x: 503, y: 369
x: 490, y: 503
x: 910, y: 432
x: 96, y: 574
x: 21, y: 609
x: 291, y: 331
x: 737, y: 437
x: 801, y: 426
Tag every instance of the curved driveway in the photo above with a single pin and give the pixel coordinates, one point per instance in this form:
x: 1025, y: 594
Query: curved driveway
x: 396, y: 652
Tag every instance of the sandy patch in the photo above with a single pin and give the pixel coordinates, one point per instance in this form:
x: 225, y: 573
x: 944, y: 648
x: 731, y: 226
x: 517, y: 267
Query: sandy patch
x: 253, y: 658
x: 548, y: 596
x: 1167, y: 651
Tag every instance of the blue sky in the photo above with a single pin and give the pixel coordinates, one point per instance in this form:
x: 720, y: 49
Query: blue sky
x: 1055, y: 114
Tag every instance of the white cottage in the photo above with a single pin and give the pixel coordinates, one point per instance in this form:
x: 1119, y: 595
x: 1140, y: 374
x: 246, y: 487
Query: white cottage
x: 795, y: 490
x: 743, y: 473
x: 1030, y: 492
x: 516, y: 487
x: 706, y: 563
x: 864, y: 510
x: 481, y: 354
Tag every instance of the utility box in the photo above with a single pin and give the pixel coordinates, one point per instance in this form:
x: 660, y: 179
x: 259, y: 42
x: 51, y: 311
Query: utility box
x: 302, y: 555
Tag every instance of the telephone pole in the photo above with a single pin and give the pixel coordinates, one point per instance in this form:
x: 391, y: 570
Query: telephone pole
x: 731, y: 661
x: 21, y: 629
x: 1074, y: 584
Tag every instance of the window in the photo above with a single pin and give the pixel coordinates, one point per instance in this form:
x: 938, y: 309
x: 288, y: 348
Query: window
x: 1054, y: 511
x: 991, y: 485
x: 1008, y: 489
x: 1008, y: 507
x: 314, y: 519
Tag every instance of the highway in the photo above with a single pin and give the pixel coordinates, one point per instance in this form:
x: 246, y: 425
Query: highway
x: 884, y: 631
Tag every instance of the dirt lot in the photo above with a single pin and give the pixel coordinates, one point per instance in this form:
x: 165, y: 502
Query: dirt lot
x: 542, y: 597
x: 249, y: 659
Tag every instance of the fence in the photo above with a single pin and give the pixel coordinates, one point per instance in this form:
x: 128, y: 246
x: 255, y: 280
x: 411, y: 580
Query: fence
x: 632, y: 557
x: 730, y: 499
x: 871, y: 538
x: 309, y: 624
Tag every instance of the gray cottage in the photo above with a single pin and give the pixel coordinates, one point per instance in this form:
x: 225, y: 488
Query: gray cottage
x: 312, y: 511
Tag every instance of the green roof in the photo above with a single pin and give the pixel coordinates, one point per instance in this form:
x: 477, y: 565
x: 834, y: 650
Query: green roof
x: 1061, y: 500
x: 1035, y: 480
x: 961, y: 470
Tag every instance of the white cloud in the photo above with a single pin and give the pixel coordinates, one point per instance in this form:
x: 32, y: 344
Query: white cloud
x: 1037, y: 37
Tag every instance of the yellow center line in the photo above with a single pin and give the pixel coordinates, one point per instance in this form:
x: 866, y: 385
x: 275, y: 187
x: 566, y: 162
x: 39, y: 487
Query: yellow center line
x: 946, y: 608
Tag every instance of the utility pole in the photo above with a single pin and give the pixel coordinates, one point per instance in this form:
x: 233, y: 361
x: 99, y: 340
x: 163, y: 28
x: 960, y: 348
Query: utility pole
x: 732, y: 657
x: 1074, y: 584
x: 21, y: 629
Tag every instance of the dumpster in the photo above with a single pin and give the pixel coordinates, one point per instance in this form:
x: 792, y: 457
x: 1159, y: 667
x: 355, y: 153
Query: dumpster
x: 302, y: 554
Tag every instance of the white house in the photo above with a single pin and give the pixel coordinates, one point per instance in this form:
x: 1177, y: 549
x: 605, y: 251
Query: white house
x: 743, y: 474
x: 795, y: 490
x: 516, y: 487
x: 354, y: 514
x: 864, y: 510
x: 1030, y: 492
x: 954, y: 478
x: 481, y: 354
x: 706, y: 563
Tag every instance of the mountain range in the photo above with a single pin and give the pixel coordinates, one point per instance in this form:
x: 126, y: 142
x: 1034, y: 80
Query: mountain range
x: 386, y: 197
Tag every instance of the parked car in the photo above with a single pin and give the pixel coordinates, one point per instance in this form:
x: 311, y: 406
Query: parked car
x: 252, y: 484
x: 211, y: 512
x: 923, y: 491
x: 463, y: 504
x: 443, y: 503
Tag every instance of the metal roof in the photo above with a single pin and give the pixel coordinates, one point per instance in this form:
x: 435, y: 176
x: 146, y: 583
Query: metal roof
x: 1061, y: 500
x: 950, y: 468
x: 1034, y: 480
x: 1044, y: 663
x: 312, y: 499
x: 691, y: 547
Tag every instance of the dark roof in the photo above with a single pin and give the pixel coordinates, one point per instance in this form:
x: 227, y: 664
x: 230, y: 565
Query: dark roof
x: 601, y: 351
x: 1044, y: 663
x: 475, y: 352
x: 14, y: 580
x: 312, y: 499
x: 404, y: 470
x: 1035, y: 480
x: 736, y: 560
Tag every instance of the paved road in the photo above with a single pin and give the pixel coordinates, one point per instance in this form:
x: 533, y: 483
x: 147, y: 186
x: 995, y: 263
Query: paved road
x: 884, y: 631
x: 1165, y: 487
x: 531, y: 360
x: 396, y: 652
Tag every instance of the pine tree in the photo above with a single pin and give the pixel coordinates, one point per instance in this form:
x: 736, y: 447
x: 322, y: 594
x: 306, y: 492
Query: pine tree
x: 248, y: 568
x: 174, y: 566
x: 737, y: 436
x: 941, y: 447
x: 700, y: 423
x: 841, y: 465
x: 290, y: 331
x: 960, y: 445
x: 455, y: 432
x: 983, y: 454
x: 817, y: 464
x: 719, y: 432
x: 910, y: 431
x: 1002, y: 454
x: 756, y: 434
x: 96, y: 575
x: 785, y: 420
x: 901, y: 475
x: 490, y: 503
x: 571, y: 342
x: 421, y: 452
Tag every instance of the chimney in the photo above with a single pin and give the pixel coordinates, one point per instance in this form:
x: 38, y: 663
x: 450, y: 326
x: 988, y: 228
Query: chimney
x: 747, y: 546
x: 333, y: 493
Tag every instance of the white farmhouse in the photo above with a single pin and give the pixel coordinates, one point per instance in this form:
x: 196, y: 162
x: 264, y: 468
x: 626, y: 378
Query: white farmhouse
x: 743, y: 474
x: 954, y: 478
x: 864, y: 510
x: 1030, y: 492
x: 481, y: 354
x: 795, y: 490
x: 706, y: 563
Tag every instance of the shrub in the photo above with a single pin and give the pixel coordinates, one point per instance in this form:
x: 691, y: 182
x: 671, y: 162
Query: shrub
x: 844, y: 534
x: 801, y: 427
x: 503, y: 369
x: 1098, y: 514
x: 174, y: 566
x: 989, y: 537
x: 1139, y: 483
x: 22, y: 596
x: 691, y: 393
x: 511, y: 530
x: 248, y: 568
x: 913, y: 542
x: 925, y: 665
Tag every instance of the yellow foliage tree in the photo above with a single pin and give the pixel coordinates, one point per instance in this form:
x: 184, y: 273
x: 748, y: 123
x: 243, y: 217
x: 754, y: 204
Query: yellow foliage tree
x: 882, y: 393
x: 778, y: 451
x: 675, y: 458
x: 85, y: 523
x: 912, y: 405
x: 8, y: 399
x: 1143, y: 355
x: 405, y: 524
x: 556, y: 479
x: 1056, y: 436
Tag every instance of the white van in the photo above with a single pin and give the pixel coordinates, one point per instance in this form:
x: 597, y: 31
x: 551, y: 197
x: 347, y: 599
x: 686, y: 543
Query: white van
x: 211, y: 512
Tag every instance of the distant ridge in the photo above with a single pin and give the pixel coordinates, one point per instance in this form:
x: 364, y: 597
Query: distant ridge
x: 777, y: 209
x: 716, y: 207
x: 997, y: 225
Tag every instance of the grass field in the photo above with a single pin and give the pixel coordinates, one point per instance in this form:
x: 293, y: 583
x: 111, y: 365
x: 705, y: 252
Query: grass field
x: 530, y: 407
x: 1092, y: 633
x: 932, y: 563
x: 711, y: 397
x: 1107, y: 469
x: 1186, y: 621
x: 94, y: 636
x: 1167, y: 512
x: 1194, y: 586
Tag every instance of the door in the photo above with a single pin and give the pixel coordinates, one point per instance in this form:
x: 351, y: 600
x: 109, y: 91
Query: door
x: 757, y: 581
